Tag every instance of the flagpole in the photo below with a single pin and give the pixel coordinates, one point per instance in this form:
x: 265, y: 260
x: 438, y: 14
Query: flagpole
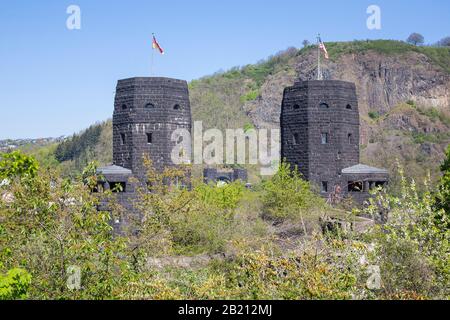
x: 319, y: 71
x: 151, y: 62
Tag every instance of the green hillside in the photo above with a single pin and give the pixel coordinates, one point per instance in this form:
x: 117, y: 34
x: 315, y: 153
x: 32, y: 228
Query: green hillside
x: 439, y: 55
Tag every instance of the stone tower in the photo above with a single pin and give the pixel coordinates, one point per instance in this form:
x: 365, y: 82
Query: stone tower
x: 320, y: 134
x: 146, y: 112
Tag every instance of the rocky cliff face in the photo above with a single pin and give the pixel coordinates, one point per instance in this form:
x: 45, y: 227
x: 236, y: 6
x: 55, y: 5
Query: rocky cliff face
x: 382, y: 82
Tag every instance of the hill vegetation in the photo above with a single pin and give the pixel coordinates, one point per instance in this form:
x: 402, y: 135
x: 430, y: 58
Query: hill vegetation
x: 439, y: 55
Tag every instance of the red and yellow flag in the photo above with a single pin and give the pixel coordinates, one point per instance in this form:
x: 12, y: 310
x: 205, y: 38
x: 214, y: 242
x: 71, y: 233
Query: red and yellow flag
x: 155, y: 45
x: 323, y: 48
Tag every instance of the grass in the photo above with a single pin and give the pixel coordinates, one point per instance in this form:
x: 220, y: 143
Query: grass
x: 434, y: 115
x: 439, y: 137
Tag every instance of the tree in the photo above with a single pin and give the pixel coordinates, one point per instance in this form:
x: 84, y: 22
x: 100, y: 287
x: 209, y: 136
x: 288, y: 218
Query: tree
x: 17, y: 164
x: 415, y: 39
x: 444, y: 42
x: 305, y: 43
x: 52, y: 226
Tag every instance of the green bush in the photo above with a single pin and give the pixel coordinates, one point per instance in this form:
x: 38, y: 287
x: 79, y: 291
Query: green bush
x: 374, y: 115
x: 412, y: 247
x: 50, y: 224
x: 16, y: 164
x: 182, y: 221
x: 225, y: 197
x: 287, y: 196
x: 442, y: 198
x: 252, y: 95
x: 15, y: 284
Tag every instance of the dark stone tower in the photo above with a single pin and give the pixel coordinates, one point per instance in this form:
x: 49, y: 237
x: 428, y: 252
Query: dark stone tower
x: 320, y: 128
x: 320, y: 132
x: 146, y: 112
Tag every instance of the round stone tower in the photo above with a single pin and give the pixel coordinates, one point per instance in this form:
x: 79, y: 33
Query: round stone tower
x: 320, y: 129
x: 146, y: 112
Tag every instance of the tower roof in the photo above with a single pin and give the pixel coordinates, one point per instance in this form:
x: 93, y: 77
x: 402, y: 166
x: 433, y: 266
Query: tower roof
x: 113, y: 169
x: 323, y: 83
x: 152, y: 81
x: 363, y: 169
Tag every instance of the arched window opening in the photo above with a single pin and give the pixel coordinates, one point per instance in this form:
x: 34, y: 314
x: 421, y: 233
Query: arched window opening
x: 124, y: 107
x: 324, y: 105
x: 296, y: 107
x: 149, y: 106
x: 349, y: 107
x: 176, y: 107
x: 123, y: 138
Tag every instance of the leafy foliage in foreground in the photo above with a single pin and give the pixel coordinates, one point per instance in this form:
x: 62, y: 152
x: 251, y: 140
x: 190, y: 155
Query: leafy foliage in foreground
x: 413, y: 248
x: 15, y: 284
x: 49, y: 225
x: 16, y: 164
x: 443, y: 194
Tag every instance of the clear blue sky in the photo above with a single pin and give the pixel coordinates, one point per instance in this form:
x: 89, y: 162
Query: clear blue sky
x: 54, y: 81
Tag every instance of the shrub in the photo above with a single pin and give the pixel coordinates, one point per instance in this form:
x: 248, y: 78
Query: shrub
x: 412, y: 248
x: 15, y: 284
x: 223, y: 197
x: 442, y: 198
x: 287, y: 196
x: 183, y: 221
x: 53, y: 224
x: 374, y: 115
x: 16, y: 164
x: 252, y: 95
